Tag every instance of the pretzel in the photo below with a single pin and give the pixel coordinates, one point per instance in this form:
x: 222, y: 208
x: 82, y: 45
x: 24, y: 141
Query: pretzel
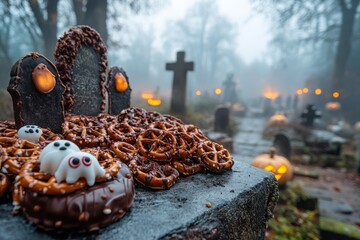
x: 173, y: 120
x: 194, y: 132
x: 154, y: 117
x: 30, y: 177
x: 84, y: 131
x: 124, y: 151
x: 157, y: 145
x: 153, y: 175
x: 107, y: 119
x: 4, y: 183
x: 185, y: 144
x: 165, y: 126
x: 189, y: 166
x: 16, y: 155
x: 48, y: 136
x: 7, y: 129
x: 215, y: 157
x: 122, y: 132
x: 17, y: 195
x: 131, y: 113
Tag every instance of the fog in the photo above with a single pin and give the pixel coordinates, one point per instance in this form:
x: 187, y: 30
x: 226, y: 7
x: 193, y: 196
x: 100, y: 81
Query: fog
x: 266, y: 45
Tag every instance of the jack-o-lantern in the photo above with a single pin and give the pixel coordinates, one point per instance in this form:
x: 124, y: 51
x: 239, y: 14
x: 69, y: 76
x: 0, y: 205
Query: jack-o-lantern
x: 121, y: 85
x: 332, y: 106
x: 278, y: 120
x: 278, y: 165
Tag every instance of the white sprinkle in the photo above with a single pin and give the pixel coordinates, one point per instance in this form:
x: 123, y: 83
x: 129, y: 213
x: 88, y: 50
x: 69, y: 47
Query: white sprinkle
x: 35, y: 194
x: 44, y: 190
x: 107, y: 211
x: 17, y: 178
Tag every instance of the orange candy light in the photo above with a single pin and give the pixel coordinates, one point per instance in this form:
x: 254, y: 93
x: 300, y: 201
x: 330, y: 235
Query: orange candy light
x: 43, y: 79
x: 121, y: 84
x: 154, y: 102
x: 318, y: 91
x: 147, y: 95
x: 271, y: 94
x: 217, y: 91
x: 336, y: 94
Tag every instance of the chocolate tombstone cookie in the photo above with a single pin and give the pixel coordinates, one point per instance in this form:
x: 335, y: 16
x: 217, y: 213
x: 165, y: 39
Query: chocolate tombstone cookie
x: 119, y: 90
x: 80, y: 57
x: 36, y: 91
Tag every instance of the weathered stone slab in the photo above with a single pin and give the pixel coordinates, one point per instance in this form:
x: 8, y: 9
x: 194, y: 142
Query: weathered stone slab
x: 36, y: 92
x: 80, y: 57
x: 241, y: 202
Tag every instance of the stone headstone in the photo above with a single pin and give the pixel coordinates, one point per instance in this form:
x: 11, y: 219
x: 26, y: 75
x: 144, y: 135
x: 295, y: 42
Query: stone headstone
x: 36, y: 91
x: 119, y: 90
x: 230, y: 94
x: 222, y: 115
x: 309, y: 115
x: 282, y: 145
x: 80, y: 57
x: 180, y: 68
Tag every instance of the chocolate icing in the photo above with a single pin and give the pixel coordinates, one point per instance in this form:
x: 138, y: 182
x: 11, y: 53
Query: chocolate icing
x: 118, y: 101
x: 67, y: 48
x: 30, y: 105
x: 85, y: 210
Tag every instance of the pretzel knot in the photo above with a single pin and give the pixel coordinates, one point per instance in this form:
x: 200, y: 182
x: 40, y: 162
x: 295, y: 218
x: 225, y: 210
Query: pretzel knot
x: 215, y: 157
x: 122, y: 132
x: 153, y: 175
x: 16, y: 153
x: 157, y: 145
x: 30, y: 177
x: 84, y: 131
x: 4, y: 183
x: 189, y: 166
x: 107, y: 119
x: 124, y: 151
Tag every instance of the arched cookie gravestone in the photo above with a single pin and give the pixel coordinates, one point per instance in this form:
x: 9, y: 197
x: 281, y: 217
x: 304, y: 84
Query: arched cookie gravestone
x: 80, y: 57
x: 119, y: 90
x: 36, y: 91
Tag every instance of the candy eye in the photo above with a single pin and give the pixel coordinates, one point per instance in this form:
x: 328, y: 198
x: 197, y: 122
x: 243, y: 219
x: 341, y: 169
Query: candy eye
x: 74, y: 162
x: 67, y: 144
x: 56, y: 144
x: 86, y: 161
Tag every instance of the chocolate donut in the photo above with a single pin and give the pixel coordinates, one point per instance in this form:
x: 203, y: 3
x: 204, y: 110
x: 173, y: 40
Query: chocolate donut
x: 84, y: 210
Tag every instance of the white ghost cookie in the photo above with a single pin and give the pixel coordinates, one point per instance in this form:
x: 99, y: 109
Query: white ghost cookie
x: 79, y: 165
x: 31, y: 133
x: 52, y: 155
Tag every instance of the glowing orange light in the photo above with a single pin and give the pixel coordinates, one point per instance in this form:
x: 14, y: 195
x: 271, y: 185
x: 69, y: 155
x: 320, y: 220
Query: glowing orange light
x: 147, y: 95
x: 120, y: 83
x: 336, y: 94
x: 318, y: 91
x: 154, y: 102
x: 332, y: 106
x: 299, y: 92
x: 270, y: 94
x: 217, y: 91
x: 305, y: 90
x: 43, y: 79
x: 198, y: 93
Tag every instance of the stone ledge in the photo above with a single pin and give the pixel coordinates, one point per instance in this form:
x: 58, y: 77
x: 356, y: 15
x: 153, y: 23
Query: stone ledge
x: 242, y: 200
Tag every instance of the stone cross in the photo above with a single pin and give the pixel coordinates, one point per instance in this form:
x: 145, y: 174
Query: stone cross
x: 80, y: 57
x: 309, y: 115
x: 36, y: 91
x: 180, y: 68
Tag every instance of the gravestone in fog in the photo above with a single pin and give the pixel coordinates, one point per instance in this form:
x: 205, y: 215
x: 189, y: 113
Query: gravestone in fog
x: 180, y: 68
x: 230, y: 94
x: 119, y: 90
x: 36, y: 91
x: 222, y: 115
x: 80, y: 57
x: 309, y: 115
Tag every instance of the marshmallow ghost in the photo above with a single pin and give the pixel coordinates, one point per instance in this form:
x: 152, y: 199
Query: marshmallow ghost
x: 77, y: 165
x: 52, y: 155
x: 31, y: 133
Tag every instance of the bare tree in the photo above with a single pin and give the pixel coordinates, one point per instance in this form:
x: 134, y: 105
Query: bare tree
x: 317, y: 21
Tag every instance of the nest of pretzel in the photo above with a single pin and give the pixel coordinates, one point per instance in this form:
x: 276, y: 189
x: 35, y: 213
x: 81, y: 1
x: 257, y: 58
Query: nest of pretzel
x: 157, y: 148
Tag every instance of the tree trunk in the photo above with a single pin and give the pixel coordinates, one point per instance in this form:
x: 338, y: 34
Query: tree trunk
x: 344, y: 44
x: 96, y: 16
x: 48, y: 26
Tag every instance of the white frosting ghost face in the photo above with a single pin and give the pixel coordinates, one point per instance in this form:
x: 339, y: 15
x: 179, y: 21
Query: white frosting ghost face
x: 52, y: 155
x: 31, y: 133
x: 79, y: 165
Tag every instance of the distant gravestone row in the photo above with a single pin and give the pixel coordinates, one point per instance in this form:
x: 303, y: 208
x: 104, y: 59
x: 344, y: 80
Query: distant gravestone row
x: 43, y: 93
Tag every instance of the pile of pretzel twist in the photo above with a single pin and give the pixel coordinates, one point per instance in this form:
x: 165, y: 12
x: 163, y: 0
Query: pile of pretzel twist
x: 156, y: 148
